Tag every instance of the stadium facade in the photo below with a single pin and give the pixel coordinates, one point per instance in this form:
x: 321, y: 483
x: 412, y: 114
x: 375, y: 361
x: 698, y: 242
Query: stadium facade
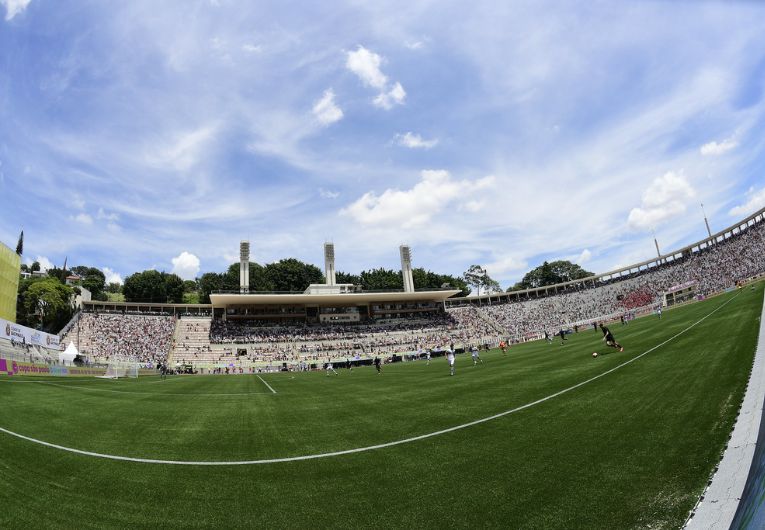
x: 10, y: 268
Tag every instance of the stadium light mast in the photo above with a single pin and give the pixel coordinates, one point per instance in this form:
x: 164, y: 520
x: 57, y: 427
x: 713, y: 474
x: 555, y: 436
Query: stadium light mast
x: 329, y: 263
x: 655, y: 242
x: 706, y: 222
x: 244, y: 266
x: 406, y: 268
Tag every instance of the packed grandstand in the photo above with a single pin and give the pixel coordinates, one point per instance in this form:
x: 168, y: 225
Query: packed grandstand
x: 206, y: 342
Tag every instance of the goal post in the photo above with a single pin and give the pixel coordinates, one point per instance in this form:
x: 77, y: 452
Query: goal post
x: 121, y: 368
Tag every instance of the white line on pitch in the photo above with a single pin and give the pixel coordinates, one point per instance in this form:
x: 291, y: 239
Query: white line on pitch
x: 369, y: 447
x: 269, y: 386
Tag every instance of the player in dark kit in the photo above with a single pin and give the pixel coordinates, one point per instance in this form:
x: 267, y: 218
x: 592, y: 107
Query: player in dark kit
x: 609, y: 338
x: 378, y: 365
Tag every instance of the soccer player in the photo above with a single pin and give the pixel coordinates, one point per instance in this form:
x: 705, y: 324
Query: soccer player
x: 562, y: 336
x: 548, y: 338
x: 348, y: 365
x: 658, y: 312
x: 503, y: 347
x: 427, y: 356
x: 163, y: 371
x: 378, y: 365
x: 330, y: 368
x: 609, y: 338
x: 476, y: 357
x: 450, y: 360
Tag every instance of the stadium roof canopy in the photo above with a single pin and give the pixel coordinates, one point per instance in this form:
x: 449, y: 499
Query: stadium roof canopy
x: 368, y: 297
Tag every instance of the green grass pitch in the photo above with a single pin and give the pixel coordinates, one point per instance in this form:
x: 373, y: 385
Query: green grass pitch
x: 631, y: 449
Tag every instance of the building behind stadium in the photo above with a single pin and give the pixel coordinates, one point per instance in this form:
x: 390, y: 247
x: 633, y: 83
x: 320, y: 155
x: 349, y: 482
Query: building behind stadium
x: 10, y: 265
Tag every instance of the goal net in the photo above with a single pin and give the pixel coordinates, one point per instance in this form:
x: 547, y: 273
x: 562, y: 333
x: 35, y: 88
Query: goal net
x: 121, y: 368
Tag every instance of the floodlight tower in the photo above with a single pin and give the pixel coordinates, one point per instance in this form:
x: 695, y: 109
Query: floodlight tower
x: 406, y: 268
x: 709, y: 232
x: 244, y: 267
x: 655, y: 242
x: 329, y: 263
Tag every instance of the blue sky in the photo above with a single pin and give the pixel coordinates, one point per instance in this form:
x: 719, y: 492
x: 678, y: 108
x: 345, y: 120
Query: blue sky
x: 139, y: 135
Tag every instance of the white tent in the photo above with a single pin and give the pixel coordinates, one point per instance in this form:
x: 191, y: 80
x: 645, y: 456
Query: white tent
x: 67, y: 356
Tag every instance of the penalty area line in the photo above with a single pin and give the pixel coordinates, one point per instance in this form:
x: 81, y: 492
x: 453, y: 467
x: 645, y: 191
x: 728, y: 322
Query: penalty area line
x: 264, y: 382
x: 369, y: 447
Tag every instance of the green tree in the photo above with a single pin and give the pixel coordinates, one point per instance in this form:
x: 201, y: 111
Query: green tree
x: 381, y: 280
x: 550, y: 273
x: 344, y: 277
x: 47, y: 304
x: 258, y: 279
x: 477, y: 277
x: 35, y: 266
x: 430, y: 280
x: 93, y: 280
x: 114, y: 288
x: 208, y: 283
x: 173, y: 288
x: 291, y: 275
x: 20, y: 244
x: 146, y: 286
x: 474, y: 277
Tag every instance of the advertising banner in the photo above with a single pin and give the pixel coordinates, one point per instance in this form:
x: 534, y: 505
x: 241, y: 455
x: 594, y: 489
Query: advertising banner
x: 11, y: 367
x: 15, y: 332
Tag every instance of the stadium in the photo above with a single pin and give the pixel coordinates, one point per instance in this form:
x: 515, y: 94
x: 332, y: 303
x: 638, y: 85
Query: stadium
x: 262, y: 418
x: 382, y: 265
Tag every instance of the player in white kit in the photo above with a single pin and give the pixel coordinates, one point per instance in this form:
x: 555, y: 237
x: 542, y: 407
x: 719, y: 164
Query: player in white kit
x: 330, y: 368
x: 450, y: 359
x: 476, y: 357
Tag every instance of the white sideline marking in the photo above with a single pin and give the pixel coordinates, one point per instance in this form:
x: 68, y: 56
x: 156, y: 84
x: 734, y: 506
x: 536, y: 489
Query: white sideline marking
x: 369, y: 447
x: 269, y: 386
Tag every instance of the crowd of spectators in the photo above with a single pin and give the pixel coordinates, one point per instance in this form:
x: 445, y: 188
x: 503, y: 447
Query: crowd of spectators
x: 315, y: 342
x: 104, y: 337
x: 710, y: 270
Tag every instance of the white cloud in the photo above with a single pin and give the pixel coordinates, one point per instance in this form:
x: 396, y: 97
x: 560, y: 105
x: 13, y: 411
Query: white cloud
x: 106, y: 216
x: 186, y: 265
x: 183, y: 150
x: 45, y: 263
x: 473, y: 206
x: 14, y: 7
x: 252, y: 48
x: 665, y: 198
x: 326, y: 110
x: 395, y: 96
x: 83, y: 218
x: 718, y: 148
x: 414, y: 45
x: 504, y: 265
x: 328, y: 194
x: 756, y: 200
x: 111, y: 276
x: 366, y: 65
x: 584, y: 257
x: 414, y: 141
x: 415, y: 206
x: 78, y: 202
